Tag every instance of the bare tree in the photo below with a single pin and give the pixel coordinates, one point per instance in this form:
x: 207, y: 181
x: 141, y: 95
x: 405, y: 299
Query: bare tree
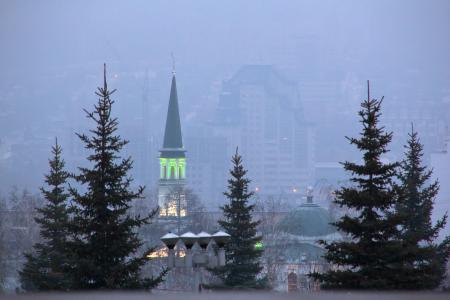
x: 18, y: 233
x: 190, y: 212
x: 270, y: 210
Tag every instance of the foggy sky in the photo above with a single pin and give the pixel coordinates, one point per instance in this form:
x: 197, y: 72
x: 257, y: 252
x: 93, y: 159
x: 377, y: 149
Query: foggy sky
x: 51, y: 53
x: 46, y: 36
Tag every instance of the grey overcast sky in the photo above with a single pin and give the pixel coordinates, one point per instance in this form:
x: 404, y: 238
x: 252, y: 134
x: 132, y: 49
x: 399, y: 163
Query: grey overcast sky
x: 51, y: 55
x: 36, y: 36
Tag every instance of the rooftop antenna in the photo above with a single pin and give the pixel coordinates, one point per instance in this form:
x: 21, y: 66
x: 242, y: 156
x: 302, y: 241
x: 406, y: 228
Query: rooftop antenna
x: 368, y: 90
x: 173, y: 63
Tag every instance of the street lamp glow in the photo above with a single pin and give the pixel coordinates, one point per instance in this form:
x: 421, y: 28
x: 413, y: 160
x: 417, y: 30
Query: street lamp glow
x: 259, y: 245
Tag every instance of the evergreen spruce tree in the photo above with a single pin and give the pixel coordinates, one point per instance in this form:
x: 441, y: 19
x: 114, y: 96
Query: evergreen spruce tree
x: 242, y: 257
x: 106, y: 242
x: 366, y: 258
x: 423, y: 263
x: 46, y: 268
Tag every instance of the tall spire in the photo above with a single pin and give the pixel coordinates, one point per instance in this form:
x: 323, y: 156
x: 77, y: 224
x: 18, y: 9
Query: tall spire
x: 172, y: 162
x: 172, y: 133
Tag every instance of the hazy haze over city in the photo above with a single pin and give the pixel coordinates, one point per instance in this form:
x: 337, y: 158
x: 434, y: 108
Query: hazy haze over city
x: 252, y: 150
x: 52, y: 55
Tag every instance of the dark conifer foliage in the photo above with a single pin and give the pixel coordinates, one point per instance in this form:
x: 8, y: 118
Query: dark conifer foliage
x: 423, y: 261
x: 365, y: 259
x: 46, y: 268
x: 106, y: 243
x: 242, y: 258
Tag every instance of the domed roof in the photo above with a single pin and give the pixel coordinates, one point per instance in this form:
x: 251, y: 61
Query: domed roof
x: 308, y: 220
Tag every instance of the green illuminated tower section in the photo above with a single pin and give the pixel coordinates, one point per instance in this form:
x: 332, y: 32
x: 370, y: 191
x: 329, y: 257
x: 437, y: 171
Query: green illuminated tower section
x: 171, y: 194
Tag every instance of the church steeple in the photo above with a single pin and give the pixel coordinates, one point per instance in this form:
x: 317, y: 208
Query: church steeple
x: 171, y: 196
x: 172, y: 134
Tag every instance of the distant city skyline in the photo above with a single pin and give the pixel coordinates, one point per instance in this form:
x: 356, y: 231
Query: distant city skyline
x: 326, y: 49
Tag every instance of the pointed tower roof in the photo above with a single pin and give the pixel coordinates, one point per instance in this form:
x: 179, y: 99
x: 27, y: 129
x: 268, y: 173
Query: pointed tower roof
x: 173, y: 140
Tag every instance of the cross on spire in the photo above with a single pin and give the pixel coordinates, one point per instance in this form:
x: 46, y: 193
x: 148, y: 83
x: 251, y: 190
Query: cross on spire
x: 173, y: 63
